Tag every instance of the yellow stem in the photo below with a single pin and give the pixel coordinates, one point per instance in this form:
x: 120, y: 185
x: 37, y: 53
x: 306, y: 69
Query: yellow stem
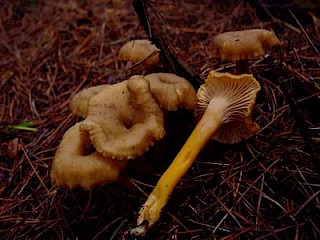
x: 209, y: 123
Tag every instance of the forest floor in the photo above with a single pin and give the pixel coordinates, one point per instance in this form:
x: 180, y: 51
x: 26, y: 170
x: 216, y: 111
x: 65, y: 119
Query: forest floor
x: 266, y: 187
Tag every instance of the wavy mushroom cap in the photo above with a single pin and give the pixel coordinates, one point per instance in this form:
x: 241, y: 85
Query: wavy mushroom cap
x: 172, y: 91
x: 236, y: 94
x: 240, y: 45
x: 74, y: 166
x: 140, y: 50
x: 124, y: 120
x: 80, y: 102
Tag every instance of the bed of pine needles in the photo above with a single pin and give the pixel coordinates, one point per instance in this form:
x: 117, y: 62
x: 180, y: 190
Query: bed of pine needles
x: 267, y: 187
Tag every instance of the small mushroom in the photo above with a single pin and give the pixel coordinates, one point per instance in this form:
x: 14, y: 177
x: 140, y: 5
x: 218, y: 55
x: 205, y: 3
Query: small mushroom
x: 225, y: 100
x: 240, y: 46
x: 140, y: 50
x: 172, y: 91
x: 74, y: 166
x: 124, y: 120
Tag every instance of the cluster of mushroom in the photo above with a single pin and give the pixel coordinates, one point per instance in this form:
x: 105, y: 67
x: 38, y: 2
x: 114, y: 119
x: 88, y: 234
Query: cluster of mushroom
x: 121, y: 121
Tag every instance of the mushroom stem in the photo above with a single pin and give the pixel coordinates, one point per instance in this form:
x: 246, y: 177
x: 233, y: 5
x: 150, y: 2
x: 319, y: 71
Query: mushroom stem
x: 208, y: 124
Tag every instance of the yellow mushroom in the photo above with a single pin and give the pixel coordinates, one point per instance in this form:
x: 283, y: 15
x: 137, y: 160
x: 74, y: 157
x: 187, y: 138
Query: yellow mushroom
x: 240, y: 46
x: 75, y: 166
x: 121, y: 122
x: 79, y: 104
x: 224, y: 101
x: 171, y: 91
x: 124, y: 120
x: 140, y: 50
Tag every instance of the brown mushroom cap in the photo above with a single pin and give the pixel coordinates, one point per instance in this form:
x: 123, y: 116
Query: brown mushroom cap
x: 238, y: 93
x: 124, y: 120
x: 73, y: 165
x: 239, y: 45
x: 140, y: 50
x: 172, y: 91
x: 80, y: 102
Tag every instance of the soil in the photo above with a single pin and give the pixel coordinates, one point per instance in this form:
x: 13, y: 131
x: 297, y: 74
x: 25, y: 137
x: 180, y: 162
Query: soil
x: 266, y: 187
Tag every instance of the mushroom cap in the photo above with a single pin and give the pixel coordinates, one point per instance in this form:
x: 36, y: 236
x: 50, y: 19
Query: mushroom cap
x: 80, y: 102
x: 140, y: 50
x: 241, y: 45
x: 124, y: 120
x: 238, y: 93
x: 172, y: 91
x: 74, y: 166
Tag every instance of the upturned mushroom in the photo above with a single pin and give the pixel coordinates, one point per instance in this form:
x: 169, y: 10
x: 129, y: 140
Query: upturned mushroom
x: 240, y: 46
x: 123, y: 120
x: 75, y: 166
x: 225, y: 103
x: 140, y: 51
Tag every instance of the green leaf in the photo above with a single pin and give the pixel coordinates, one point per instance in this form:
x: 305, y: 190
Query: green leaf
x: 26, y: 126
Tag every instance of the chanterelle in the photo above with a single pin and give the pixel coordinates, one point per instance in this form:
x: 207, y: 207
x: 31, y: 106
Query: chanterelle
x: 223, y: 99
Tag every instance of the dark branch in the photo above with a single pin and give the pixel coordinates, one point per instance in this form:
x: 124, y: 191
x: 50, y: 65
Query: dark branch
x: 170, y: 60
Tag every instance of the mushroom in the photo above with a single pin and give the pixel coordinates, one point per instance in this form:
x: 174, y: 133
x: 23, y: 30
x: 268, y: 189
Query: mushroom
x: 74, y: 166
x: 240, y: 46
x: 140, y: 50
x: 172, y: 91
x: 124, y: 120
x: 225, y: 101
